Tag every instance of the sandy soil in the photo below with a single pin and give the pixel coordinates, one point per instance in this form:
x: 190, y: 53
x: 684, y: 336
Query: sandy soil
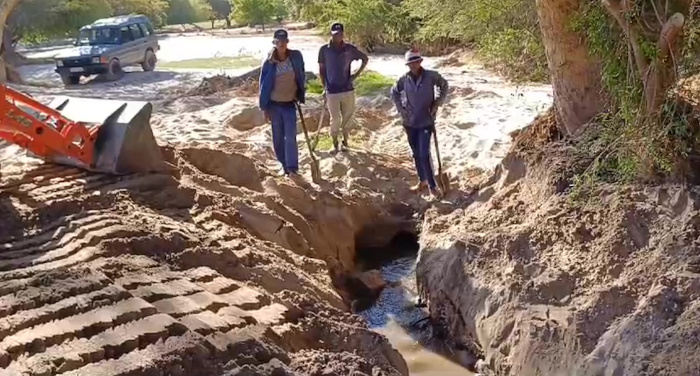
x: 220, y: 267
x: 540, y: 283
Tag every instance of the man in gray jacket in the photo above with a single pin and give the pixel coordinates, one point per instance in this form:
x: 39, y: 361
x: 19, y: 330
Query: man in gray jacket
x: 417, y: 102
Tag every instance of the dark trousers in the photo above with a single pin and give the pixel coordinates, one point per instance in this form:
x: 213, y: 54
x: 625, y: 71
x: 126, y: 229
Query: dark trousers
x: 419, y: 140
x: 283, y: 117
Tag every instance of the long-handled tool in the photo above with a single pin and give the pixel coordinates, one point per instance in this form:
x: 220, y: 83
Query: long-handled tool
x: 315, y: 169
x: 443, y: 180
x: 346, y: 121
x: 317, y: 136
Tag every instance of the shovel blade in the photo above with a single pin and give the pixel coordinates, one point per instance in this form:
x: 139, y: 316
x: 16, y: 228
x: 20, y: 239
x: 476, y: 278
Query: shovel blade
x: 124, y: 143
x: 444, y: 182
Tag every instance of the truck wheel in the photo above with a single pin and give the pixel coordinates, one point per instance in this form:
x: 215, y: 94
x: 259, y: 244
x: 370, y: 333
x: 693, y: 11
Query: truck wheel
x: 114, y: 70
x: 69, y: 79
x: 149, y: 62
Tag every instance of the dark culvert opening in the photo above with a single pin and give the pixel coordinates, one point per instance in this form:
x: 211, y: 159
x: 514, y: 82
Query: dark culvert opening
x: 384, y: 292
x: 377, y: 245
x: 402, y: 244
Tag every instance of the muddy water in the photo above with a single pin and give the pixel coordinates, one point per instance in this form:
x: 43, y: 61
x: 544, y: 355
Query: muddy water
x: 395, y: 315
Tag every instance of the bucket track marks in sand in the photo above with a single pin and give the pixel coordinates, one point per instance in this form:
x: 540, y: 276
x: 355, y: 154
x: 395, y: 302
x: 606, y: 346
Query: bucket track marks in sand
x: 128, y: 275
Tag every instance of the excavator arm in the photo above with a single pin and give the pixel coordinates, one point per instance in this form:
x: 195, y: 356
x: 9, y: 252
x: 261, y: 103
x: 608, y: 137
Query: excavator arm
x: 43, y: 130
x: 101, y: 135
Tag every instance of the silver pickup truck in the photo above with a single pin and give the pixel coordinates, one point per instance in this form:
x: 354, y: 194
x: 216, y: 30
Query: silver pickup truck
x: 108, y: 45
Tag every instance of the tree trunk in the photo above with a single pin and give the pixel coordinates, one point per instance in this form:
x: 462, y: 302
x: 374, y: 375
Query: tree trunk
x: 6, y: 71
x: 660, y: 73
x: 574, y: 73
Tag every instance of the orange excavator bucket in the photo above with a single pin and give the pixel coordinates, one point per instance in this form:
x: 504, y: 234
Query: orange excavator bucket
x: 124, y: 141
x: 108, y: 136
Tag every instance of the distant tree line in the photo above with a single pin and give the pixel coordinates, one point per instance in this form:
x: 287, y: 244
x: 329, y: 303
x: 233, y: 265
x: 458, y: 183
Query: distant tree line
x: 37, y: 20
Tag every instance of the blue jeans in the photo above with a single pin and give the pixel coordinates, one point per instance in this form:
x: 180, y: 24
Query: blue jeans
x: 419, y: 140
x: 283, y: 117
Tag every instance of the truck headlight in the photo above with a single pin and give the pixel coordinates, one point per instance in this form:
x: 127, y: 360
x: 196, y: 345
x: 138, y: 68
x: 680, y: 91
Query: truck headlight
x: 59, y: 63
x: 96, y: 60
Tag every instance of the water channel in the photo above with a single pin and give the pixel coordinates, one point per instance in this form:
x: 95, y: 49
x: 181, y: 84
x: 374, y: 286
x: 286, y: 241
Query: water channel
x: 394, y: 315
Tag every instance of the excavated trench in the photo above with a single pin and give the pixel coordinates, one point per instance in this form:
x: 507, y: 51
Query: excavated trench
x: 207, y: 273
x: 219, y: 269
x: 385, y: 295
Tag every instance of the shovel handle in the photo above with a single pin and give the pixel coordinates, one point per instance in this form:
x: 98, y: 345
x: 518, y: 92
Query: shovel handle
x: 314, y: 142
x: 437, y: 150
x: 306, y: 133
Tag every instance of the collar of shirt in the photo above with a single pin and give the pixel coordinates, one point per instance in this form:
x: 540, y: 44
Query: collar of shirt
x: 416, y: 77
x: 273, y: 56
x: 340, y: 45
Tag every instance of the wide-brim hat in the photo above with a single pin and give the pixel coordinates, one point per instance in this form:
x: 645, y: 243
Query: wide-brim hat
x: 413, y: 56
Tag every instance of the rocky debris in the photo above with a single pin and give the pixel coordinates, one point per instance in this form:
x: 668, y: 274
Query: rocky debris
x: 245, y: 119
x: 373, y: 281
x: 364, y: 289
x: 222, y: 83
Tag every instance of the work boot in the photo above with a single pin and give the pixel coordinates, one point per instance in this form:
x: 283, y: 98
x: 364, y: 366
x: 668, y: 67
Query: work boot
x: 294, y: 176
x: 436, y: 192
x: 420, y: 186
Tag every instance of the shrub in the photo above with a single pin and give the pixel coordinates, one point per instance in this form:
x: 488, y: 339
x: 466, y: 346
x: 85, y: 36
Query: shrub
x: 368, y: 83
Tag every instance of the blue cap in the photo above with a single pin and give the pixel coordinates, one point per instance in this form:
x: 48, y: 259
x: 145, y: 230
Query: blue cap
x: 337, y: 28
x: 281, y: 34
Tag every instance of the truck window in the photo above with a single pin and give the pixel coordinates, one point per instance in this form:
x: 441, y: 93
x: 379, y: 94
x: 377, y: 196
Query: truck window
x: 144, y: 29
x: 125, y: 34
x: 135, y: 31
x: 98, y: 36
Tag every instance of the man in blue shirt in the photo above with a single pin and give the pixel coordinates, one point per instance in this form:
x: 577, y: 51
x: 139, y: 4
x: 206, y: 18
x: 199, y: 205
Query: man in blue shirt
x: 334, y: 61
x: 417, y: 102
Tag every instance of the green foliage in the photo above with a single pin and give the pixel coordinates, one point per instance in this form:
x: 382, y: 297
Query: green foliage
x: 39, y: 20
x: 258, y: 12
x: 367, y: 22
x: 280, y: 10
x: 517, y: 54
x: 213, y: 63
x: 357, y: 138
x: 188, y: 11
x: 221, y: 8
x: 48, y: 18
x: 368, y: 83
x: 635, y: 144
x: 506, y: 32
x: 156, y: 10
x: 314, y: 86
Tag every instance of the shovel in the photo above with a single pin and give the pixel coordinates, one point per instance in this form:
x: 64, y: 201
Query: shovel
x: 315, y: 170
x: 443, y: 180
x: 314, y: 141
